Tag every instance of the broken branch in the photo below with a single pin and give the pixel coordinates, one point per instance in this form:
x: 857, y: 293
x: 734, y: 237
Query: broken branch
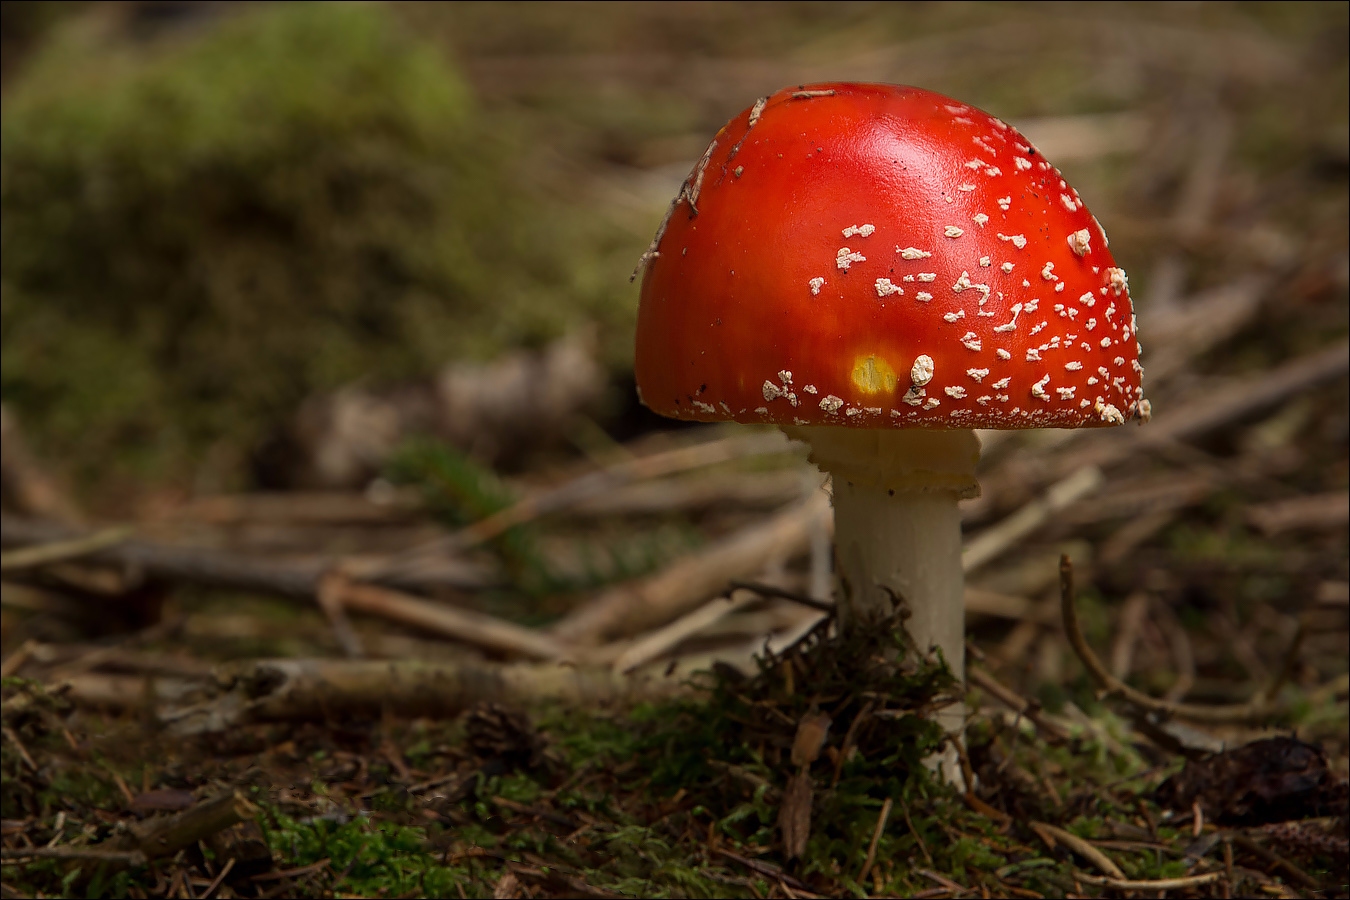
x: 1257, y: 708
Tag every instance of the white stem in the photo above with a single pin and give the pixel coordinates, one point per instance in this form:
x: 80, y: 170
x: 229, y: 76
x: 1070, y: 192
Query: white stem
x: 897, y: 532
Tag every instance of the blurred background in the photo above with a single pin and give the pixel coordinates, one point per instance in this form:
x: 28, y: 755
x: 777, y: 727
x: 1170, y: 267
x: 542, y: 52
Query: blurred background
x: 305, y: 282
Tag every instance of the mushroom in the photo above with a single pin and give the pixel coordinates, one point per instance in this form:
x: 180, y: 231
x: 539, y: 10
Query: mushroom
x: 880, y: 270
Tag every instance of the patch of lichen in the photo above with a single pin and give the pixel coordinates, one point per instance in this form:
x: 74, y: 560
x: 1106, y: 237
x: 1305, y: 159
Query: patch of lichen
x: 200, y: 232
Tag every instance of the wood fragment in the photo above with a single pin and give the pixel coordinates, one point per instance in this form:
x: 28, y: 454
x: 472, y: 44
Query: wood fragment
x: 130, y: 858
x: 1259, y: 707
x: 571, y: 494
x: 298, y: 689
x: 213, y: 568
x: 220, y: 876
x: 1052, y: 730
x: 1228, y: 402
x: 1161, y: 884
x: 794, y: 814
x: 62, y: 551
x: 654, y: 644
x: 1052, y: 835
x: 993, y: 541
x: 767, y: 869
x: 1315, y: 511
x: 1273, y: 858
x: 876, y: 839
x: 474, y: 628
x: 1129, y: 626
x: 164, y: 837
x: 18, y: 746
x: 632, y: 608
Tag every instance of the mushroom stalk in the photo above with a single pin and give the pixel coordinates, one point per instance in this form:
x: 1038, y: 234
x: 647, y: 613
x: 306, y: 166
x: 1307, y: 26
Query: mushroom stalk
x: 898, y: 535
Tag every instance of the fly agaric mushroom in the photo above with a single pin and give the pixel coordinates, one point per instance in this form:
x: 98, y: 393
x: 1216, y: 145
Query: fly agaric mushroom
x: 879, y: 270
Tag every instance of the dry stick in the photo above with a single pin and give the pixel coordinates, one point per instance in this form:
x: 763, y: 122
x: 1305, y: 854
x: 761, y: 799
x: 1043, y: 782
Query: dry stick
x: 16, y: 660
x: 1265, y: 853
x: 1052, y: 835
x: 225, y: 870
x: 632, y: 608
x: 89, y: 854
x: 18, y: 745
x: 1257, y: 708
x: 464, y: 625
x: 1161, y: 884
x: 876, y: 838
x: 1226, y: 403
x: 211, y: 568
x: 1133, y: 614
x: 62, y: 551
x: 330, y: 596
x: 770, y: 590
x: 1052, y: 730
x: 225, y: 570
x: 574, y: 492
x: 990, y: 543
x: 165, y: 837
x: 652, y: 645
x: 291, y: 689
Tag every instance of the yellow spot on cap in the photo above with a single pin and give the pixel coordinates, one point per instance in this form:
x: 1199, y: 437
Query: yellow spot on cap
x: 873, y: 375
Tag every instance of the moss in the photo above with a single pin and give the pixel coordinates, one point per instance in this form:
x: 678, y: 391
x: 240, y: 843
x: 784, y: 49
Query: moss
x: 198, y: 235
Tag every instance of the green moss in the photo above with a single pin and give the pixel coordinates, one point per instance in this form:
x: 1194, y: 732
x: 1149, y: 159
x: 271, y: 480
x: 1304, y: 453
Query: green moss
x: 197, y: 236
x: 379, y: 858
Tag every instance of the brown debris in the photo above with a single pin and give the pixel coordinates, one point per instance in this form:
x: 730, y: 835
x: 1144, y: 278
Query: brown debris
x: 1271, y: 780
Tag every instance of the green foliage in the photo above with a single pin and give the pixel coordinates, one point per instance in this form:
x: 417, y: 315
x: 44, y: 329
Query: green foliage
x: 198, y: 234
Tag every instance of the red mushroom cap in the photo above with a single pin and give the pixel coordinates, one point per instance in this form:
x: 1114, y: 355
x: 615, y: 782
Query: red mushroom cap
x: 883, y: 256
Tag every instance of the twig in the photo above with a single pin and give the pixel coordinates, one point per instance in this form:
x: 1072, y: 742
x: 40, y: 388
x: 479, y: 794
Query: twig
x: 1052, y: 835
x: 876, y: 838
x: 330, y: 594
x: 631, y: 608
x: 1053, y: 731
x: 1133, y: 613
x: 1270, y: 856
x: 213, y: 568
x: 89, y: 854
x: 523, y: 809
x: 650, y: 646
x: 225, y: 870
x: 767, y: 869
x: 1161, y: 884
x: 1257, y: 708
x: 923, y: 845
x: 943, y: 880
x: 299, y: 872
x: 63, y: 551
x: 165, y: 837
x: 1320, y: 511
x: 291, y: 689
x: 990, y: 543
x: 574, y: 492
x: 16, y: 660
x: 1236, y: 399
x: 769, y: 590
x: 18, y: 745
x: 464, y: 625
